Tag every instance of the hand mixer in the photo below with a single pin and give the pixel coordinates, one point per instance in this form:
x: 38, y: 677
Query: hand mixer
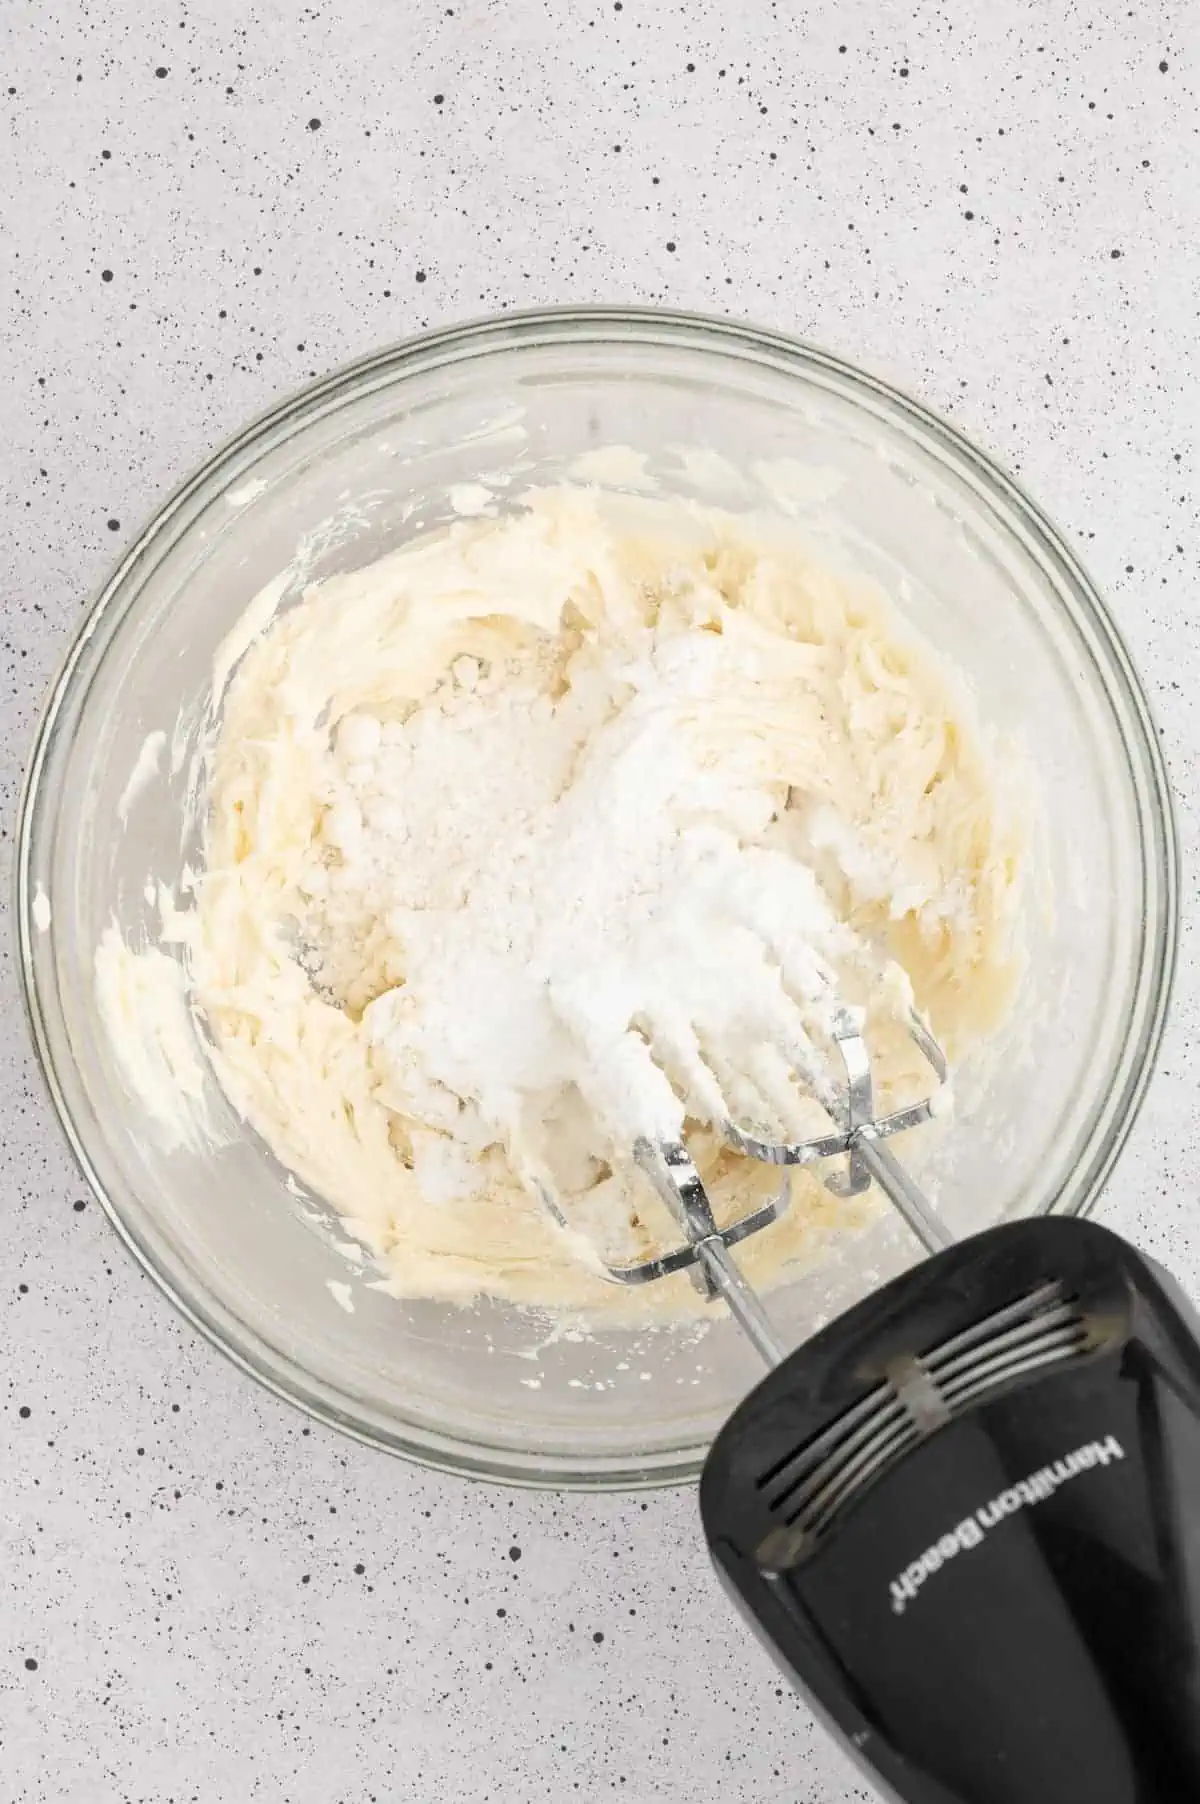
x: 965, y: 1516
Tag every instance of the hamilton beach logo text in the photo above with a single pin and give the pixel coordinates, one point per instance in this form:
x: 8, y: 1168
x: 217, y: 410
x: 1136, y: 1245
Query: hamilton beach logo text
x: 970, y: 1532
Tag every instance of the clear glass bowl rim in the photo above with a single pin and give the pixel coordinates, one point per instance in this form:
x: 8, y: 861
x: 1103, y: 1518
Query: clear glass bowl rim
x: 667, y: 329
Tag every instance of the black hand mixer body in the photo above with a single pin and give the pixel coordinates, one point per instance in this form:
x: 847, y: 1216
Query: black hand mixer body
x: 966, y: 1519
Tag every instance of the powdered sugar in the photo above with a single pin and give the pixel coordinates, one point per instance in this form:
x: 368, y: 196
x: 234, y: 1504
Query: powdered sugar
x: 566, y: 884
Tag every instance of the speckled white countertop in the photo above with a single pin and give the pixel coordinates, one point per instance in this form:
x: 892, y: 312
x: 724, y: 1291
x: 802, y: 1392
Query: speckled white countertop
x: 201, y: 1597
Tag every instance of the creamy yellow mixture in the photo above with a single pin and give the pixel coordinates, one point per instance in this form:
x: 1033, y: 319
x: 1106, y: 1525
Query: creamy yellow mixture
x: 490, y: 818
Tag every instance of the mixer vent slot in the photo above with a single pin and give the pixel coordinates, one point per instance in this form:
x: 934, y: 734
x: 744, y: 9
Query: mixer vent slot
x: 1040, y: 1330
x: 808, y: 1487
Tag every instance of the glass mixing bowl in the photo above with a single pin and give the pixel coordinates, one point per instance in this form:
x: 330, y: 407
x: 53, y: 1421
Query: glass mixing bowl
x: 367, y: 457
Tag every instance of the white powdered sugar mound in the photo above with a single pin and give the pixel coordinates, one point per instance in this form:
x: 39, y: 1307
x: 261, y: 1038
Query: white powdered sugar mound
x: 568, y: 885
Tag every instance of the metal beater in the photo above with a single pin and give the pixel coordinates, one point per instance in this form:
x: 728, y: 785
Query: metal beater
x: 858, y: 1134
